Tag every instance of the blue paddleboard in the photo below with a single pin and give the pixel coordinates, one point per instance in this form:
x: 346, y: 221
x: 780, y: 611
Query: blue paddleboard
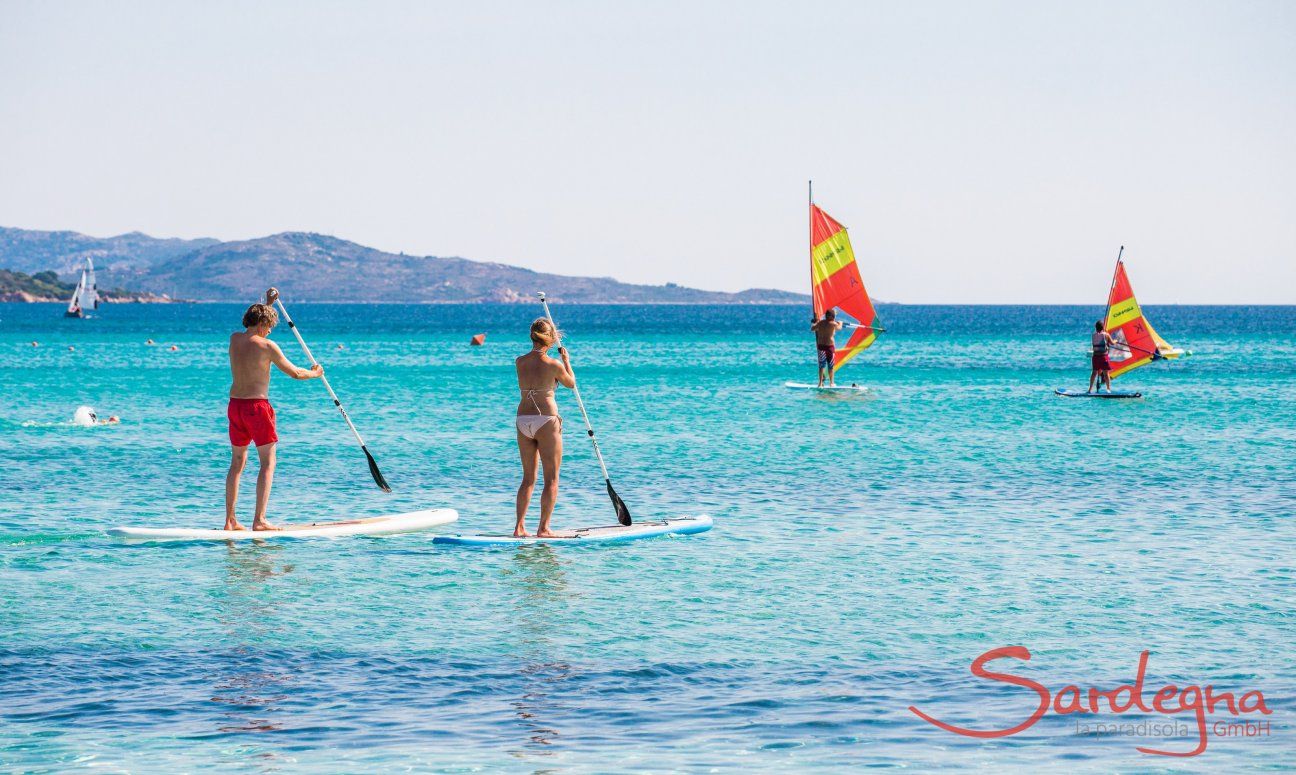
x: 611, y: 534
x: 1084, y: 394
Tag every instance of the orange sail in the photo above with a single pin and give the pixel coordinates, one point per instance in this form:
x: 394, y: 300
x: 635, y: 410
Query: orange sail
x: 835, y: 282
x: 1136, y: 342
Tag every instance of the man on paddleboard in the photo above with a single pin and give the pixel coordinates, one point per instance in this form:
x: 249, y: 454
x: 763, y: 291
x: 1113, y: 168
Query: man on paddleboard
x: 1100, y: 362
x: 251, y: 418
x: 825, y: 331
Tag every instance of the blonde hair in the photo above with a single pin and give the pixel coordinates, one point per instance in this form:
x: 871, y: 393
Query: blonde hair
x: 543, y: 333
x: 260, y: 315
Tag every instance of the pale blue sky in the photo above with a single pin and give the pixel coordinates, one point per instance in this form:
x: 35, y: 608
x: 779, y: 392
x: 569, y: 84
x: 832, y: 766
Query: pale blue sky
x: 979, y: 151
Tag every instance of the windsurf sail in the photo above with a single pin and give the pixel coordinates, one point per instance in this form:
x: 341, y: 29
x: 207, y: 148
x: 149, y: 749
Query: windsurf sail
x: 1137, y: 343
x: 835, y: 282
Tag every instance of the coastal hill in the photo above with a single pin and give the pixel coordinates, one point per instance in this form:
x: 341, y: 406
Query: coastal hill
x: 317, y: 267
x: 65, y: 252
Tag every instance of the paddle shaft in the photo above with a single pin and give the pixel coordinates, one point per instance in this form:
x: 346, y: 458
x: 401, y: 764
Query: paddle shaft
x: 373, y: 466
x: 576, y: 390
x: 306, y: 349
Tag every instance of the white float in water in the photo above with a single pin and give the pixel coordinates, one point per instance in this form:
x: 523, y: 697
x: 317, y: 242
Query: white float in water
x: 85, y: 417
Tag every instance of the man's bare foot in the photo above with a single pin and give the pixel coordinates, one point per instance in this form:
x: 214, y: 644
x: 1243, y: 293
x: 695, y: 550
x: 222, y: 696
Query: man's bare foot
x: 546, y: 534
x: 520, y: 532
x: 233, y: 524
x: 263, y: 525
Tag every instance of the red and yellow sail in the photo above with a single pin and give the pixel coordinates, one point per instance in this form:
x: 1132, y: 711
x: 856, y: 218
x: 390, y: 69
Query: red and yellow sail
x: 1136, y: 343
x: 835, y: 282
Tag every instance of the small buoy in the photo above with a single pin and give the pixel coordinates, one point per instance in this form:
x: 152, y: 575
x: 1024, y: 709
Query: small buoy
x: 174, y: 348
x: 478, y: 340
x: 35, y: 344
x: 339, y: 347
x: 148, y: 341
x: 71, y: 348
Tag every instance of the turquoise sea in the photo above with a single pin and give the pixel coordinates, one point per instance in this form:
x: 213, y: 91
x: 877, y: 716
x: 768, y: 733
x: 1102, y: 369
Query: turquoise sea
x: 866, y: 548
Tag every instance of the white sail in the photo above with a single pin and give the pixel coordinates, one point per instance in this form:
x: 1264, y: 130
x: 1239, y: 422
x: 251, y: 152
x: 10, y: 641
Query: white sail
x: 73, y: 305
x: 90, y: 293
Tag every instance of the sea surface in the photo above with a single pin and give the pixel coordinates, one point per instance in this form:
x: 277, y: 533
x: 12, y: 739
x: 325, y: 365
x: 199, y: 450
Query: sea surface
x: 866, y: 548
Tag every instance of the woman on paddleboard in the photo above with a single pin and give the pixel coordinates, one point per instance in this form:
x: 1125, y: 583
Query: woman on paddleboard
x: 1102, y: 342
x: 539, y: 428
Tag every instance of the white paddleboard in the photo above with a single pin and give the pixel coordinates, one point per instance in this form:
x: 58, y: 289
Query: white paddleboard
x: 393, y: 523
x: 826, y: 388
x: 1097, y: 394
x: 611, y: 534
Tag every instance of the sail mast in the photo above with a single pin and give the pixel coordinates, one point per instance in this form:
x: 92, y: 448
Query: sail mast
x: 1115, y: 274
x: 814, y: 308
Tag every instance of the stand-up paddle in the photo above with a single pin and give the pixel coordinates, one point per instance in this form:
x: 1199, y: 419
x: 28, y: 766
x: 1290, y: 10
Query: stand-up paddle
x: 373, y: 465
x: 622, y: 512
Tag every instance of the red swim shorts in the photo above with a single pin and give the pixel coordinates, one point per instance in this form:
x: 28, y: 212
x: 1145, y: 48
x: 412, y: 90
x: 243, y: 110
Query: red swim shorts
x: 1100, y: 362
x: 251, y: 420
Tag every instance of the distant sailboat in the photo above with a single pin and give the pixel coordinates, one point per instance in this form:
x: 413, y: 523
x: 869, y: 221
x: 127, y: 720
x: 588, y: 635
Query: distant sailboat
x: 86, y: 295
x: 1137, y: 343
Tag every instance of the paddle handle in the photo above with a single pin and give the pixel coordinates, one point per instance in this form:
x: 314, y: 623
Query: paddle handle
x: 576, y: 390
x: 293, y: 327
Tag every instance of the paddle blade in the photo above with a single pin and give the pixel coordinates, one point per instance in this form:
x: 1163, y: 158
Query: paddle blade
x: 377, y: 475
x: 622, y: 511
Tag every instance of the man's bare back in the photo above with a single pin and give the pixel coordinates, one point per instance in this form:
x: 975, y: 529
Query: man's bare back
x: 826, y: 332
x: 250, y: 356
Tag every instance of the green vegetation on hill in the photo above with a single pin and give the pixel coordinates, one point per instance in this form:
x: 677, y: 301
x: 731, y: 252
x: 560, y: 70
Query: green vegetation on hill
x: 46, y: 284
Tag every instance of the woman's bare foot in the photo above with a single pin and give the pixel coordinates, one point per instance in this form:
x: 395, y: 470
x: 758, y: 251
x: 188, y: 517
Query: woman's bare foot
x: 520, y: 532
x: 263, y: 525
x: 546, y: 534
x: 233, y: 524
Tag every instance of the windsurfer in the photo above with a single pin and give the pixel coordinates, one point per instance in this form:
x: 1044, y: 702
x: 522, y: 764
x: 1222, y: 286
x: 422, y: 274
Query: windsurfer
x: 825, y: 331
x: 1102, y: 342
x: 251, y: 418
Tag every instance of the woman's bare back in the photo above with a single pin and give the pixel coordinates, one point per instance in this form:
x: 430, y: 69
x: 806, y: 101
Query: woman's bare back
x: 538, y: 375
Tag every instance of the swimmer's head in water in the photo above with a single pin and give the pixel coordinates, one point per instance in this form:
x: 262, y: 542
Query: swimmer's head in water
x: 543, y: 333
x: 260, y: 316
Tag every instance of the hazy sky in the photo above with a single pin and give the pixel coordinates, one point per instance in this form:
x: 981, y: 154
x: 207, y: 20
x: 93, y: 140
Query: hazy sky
x: 979, y: 151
